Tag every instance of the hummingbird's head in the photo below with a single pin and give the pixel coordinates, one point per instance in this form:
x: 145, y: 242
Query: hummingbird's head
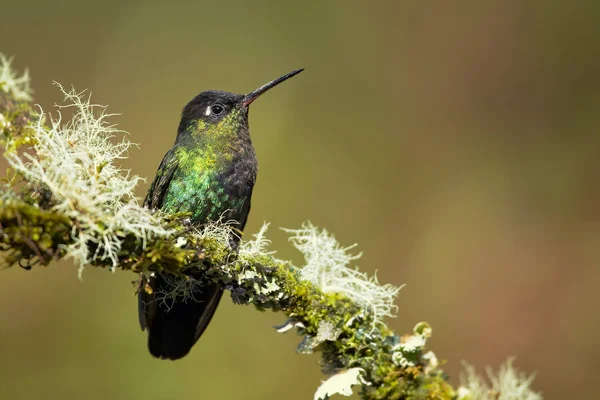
x: 210, y: 109
x: 222, y: 113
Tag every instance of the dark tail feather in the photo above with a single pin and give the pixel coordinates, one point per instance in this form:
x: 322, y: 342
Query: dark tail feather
x: 173, y: 331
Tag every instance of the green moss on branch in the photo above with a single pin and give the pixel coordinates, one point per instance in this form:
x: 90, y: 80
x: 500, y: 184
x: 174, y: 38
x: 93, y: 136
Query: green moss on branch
x: 343, y: 332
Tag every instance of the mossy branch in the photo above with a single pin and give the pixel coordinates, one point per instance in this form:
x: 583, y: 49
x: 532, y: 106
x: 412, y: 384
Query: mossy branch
x: 65, y: 197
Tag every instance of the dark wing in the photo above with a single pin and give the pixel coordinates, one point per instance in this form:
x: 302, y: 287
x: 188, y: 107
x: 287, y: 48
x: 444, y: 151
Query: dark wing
x: 162, y: 180
x: 156, y: 193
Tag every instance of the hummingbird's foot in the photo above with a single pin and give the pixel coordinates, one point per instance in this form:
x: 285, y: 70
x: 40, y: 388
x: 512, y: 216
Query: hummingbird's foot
x: 186, y: 222
x: 143, y: 283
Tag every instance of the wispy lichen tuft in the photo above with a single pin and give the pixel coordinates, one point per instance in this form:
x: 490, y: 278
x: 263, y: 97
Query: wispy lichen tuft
x: 221, y: 231
x: 179, y: 288
x: 77, y: 163
x: 258, y: 245
x: 508, y: 384
x: 13, y: 84
x: 327, y: 268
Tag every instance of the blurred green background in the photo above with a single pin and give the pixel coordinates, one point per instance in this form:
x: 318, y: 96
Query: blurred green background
x: 458, y: 144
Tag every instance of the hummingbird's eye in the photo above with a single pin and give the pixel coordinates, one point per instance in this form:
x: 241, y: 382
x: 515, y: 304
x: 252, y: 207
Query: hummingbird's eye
x: 217, y: 108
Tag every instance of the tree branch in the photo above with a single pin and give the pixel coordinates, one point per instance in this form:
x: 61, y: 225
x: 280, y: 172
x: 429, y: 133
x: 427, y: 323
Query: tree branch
x: 65, y: 197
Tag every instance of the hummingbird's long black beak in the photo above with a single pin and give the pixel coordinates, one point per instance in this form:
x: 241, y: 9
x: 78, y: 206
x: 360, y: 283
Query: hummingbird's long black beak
x: 250, y: 97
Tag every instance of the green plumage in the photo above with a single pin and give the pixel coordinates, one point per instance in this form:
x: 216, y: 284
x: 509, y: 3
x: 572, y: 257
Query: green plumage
x: 195, y: 186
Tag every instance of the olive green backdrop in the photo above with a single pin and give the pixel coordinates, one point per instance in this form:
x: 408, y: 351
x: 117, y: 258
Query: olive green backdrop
x: 458, y: 144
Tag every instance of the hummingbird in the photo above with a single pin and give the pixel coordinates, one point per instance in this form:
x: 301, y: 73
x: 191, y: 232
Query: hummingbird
x: 209, y: 173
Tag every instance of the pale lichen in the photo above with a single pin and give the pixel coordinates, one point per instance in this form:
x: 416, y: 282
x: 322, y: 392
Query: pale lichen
x: 327, y: 331
x: 178, y: 288
x: 258, y: 245
x: 222, y: 231
x: 11, y: 83
x: 507, y: 384
x: 327, y: 267
x: 406, y: 352
x: 340, y: 383
x: 76, y: 162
